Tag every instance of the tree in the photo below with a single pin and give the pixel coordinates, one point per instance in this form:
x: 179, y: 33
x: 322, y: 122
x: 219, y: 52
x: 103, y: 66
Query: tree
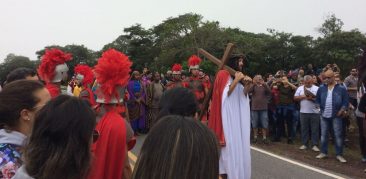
x: 331, y: 25
x: 341, y: 48
x: 175, y: 39
x: 12, y: 62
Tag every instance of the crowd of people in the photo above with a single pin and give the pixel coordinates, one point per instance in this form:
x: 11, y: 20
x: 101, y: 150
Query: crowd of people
x: 87, y: 130
x: 317, y: 104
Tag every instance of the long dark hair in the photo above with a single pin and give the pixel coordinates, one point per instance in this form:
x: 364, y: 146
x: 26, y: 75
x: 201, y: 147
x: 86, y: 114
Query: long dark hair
x: 59, y: 146
x: 234, y: 62
x: 15, y: 97
x: 178, y: 147
x: 177, y: 101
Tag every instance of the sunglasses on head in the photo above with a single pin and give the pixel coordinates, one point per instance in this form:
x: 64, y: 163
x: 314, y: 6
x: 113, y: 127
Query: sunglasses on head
x: 95, y: 135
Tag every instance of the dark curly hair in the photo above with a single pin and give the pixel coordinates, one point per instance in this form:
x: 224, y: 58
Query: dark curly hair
x: 178, y: 101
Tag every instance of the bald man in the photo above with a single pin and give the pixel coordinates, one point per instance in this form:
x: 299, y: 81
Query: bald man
x: 333, y: 102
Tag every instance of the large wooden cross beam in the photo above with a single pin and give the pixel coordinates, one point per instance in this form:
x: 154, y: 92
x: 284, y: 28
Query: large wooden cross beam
x: 222, y: 64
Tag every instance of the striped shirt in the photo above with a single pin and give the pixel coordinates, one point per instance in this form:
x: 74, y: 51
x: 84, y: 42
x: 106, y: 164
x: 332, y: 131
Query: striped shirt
x: 328, y: 104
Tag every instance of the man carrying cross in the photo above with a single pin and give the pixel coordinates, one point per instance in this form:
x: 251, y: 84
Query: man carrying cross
x: 229, y: 118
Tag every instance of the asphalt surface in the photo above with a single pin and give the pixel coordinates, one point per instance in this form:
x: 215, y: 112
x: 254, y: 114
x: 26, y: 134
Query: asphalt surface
x: 266, y: 166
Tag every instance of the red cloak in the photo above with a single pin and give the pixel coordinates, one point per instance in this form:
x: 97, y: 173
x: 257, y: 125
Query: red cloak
x: 110, y: 149
x: 215, y: 117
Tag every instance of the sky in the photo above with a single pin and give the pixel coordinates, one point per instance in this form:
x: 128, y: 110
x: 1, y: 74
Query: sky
x: 27, y: 26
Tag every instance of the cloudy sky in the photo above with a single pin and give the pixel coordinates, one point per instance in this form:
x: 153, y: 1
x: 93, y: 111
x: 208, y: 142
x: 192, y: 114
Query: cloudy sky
x: 29, y: 25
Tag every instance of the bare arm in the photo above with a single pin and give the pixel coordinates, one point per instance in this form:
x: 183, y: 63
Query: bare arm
x: 232, y: 86
x: 238, y: 76
x: 292, y: 86
x: 299, y: 98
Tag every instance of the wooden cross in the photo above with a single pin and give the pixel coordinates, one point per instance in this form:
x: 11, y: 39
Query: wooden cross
x: 222, y: 64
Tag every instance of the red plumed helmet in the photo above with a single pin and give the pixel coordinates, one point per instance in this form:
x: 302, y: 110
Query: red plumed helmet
x: 53, y: 65
x: 177, y: 68
x: 112, y: 72
x: 85, y: 74
x: 194, y: 61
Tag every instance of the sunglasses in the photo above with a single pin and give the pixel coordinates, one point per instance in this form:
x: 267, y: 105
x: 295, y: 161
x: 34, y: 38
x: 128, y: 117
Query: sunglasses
x: 95, y: 135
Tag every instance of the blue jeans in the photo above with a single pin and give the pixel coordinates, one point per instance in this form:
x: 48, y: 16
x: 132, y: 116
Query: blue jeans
x: 285, y: 113
x: 326, y: 124
x: 295, y: 122
x: 260, y: 117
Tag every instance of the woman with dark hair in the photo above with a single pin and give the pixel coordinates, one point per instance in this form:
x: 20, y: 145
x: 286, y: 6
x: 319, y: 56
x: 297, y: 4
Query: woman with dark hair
x: 19, y: 101
x: 59, y: 146
x: 178, y: 101
x: 188, y: 150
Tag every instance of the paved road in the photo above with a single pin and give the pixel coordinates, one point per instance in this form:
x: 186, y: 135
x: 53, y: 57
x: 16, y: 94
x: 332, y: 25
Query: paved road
x: 269, y: 166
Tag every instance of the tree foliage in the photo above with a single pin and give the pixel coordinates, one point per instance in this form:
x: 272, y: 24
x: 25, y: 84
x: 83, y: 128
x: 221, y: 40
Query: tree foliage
x: 12, y: 62
x: 177, y: 38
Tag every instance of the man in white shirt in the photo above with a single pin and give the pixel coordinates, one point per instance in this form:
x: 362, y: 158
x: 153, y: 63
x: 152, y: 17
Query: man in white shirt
x: 309, y: 114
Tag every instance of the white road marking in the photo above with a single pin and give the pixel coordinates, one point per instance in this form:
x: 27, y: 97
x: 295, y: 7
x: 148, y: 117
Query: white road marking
x: 297, y: 163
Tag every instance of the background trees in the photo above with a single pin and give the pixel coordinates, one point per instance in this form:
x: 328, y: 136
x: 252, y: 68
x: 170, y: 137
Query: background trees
x: 177, y: 38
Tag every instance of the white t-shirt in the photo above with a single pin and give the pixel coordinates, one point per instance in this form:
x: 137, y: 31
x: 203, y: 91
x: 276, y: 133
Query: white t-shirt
x: 306, y: 106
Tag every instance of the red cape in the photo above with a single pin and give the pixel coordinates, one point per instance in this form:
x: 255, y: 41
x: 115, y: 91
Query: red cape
x: 110, y: 150
x: 53, y: 89
x: 215, y: 117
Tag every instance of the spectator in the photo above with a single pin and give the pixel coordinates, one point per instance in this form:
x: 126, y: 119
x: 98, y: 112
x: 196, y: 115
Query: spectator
x: 22, y: 73
x: 309, y: 116
x: 59, y: 146
x: 316, y: 80
x: 272, y: 112
x: 178, y: 101
x: 362, y: 108
x: 346, y: 118
x: 360, y: 116
x: 286, y: 109
x: 19, y: 101
x: 154, y: 91
x: 269, y: 79
x: 309, y: 70
x: 301, y: 74
x: 260, y: 97
x: 333, y: 102
x: 167, y: 78
x: 187, y: 150
x: 351, y: 84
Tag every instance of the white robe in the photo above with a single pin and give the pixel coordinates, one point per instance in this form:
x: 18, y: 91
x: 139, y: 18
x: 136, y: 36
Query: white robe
x: 235, y: 158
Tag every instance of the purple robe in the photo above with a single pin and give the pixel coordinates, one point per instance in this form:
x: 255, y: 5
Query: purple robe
x: 136, y: 110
